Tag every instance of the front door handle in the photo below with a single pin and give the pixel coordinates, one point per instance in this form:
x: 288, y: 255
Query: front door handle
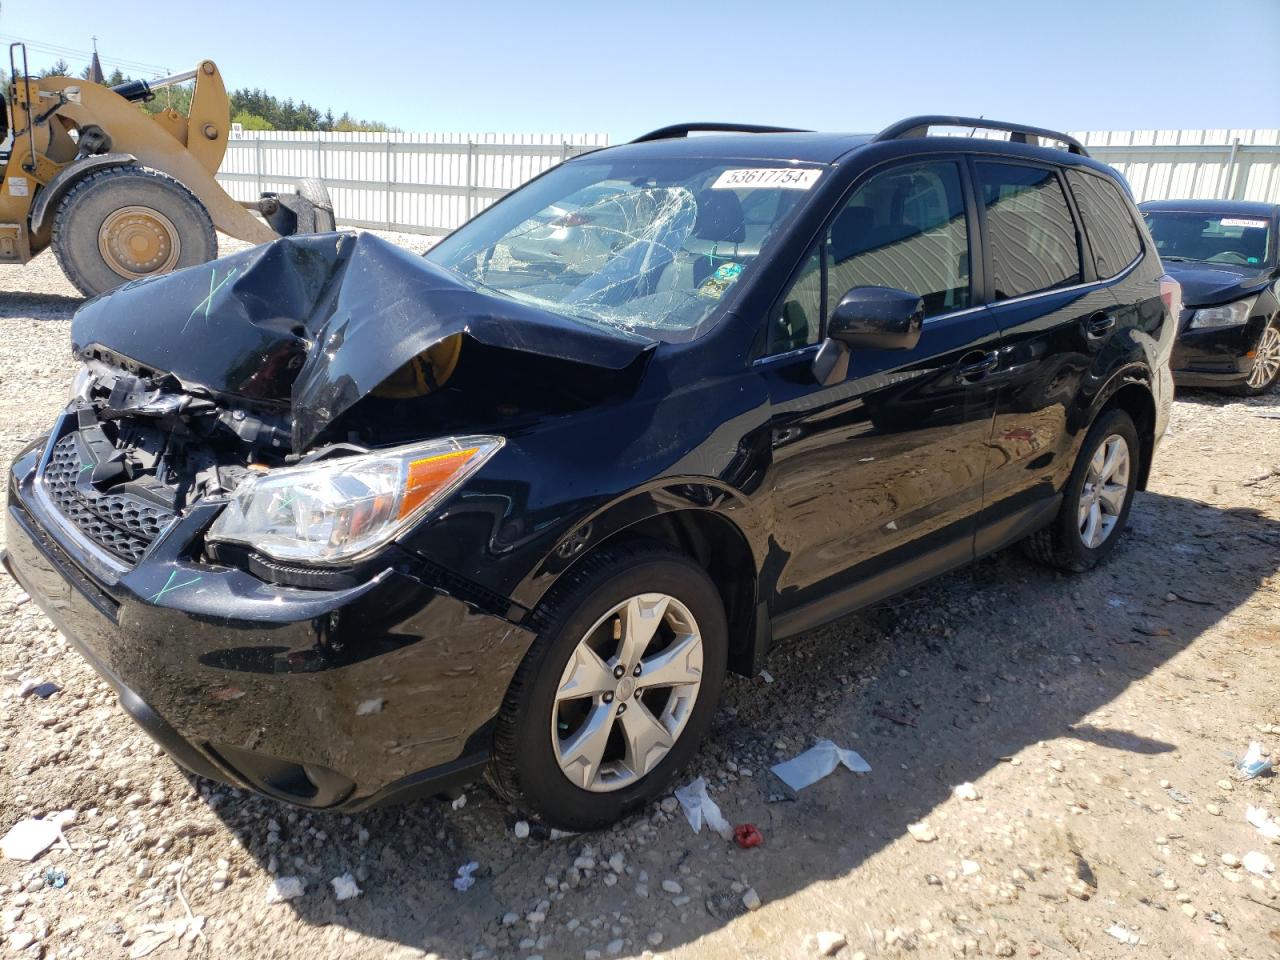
x: 976, y: 365
x: 1099, y: 325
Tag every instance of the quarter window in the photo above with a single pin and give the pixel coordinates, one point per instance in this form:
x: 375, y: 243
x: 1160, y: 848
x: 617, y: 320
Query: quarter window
x: 797, y: 321
x: 1032, y: 236
x: 1113, y: 236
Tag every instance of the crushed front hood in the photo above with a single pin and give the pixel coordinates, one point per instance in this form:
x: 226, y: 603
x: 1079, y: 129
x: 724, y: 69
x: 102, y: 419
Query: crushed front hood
x: 316, y: 322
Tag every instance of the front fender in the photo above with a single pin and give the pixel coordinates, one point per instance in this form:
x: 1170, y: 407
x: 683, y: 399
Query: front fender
x: 663, y: 497
x: 67, y: 177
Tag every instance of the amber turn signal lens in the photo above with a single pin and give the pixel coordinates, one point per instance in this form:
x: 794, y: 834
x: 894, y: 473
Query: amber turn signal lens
x: 428, y: 475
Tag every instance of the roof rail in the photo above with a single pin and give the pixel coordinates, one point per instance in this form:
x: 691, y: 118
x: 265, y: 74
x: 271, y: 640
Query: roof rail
x: 684, y: 129
x: 1018, y: 132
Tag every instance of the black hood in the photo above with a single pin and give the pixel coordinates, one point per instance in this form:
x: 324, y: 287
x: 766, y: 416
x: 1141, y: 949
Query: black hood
x: 316, y: 322
x: 1204, y: 284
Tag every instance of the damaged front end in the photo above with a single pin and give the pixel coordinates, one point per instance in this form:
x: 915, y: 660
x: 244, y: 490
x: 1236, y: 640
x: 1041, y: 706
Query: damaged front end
x: 330, y: 390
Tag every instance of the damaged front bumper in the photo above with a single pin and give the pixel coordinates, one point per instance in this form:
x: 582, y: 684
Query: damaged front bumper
x: 376, y: 692
x: 1215, y: 357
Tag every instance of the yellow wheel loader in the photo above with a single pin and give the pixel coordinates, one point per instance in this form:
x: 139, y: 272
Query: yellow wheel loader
x: 121, y: 194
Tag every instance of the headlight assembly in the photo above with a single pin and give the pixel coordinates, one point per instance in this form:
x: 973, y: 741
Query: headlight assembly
x: 337, y: 510
x: 1227, y: 315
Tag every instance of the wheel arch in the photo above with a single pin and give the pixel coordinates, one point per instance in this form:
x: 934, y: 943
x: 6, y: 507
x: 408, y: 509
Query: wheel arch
x: 1131, y: 391
x: 709, y: 524
x: 52, y: 193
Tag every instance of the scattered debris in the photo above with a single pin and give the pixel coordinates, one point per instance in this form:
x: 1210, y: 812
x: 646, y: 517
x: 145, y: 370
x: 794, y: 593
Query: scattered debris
x: 464, y: 881
x: 922, y: 831
x: 27, y: 839
x: 151, y: 938
x: 698, y: 807
x: 345, y: 888
x: 965, y: 791
x: 899, y: 719
x: 1258, y: 863
x: 970, y: 867
x: 1123, y: 934
x: 816, y: 762
x: 521, y: 829
x: 751, y: 899
x: 766, y: 676
x: 1177, y: 796
x: 829, y: 943
x: 285, y: 888
x: 1267, y: 826
x: 459, y: 801
x: 367, y: 707
x: 747, y: 835
x: 1254, y: 764
x: 35, y: 688
x: 55, y: 878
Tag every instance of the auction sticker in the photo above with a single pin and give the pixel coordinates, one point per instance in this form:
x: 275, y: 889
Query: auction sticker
x: 17, y: 186
x: 758, y: 178
x: 1239, y: 222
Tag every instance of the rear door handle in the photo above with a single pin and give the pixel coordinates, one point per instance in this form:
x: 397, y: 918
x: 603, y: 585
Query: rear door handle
x: 1099, y: 325
x: 976, y: 365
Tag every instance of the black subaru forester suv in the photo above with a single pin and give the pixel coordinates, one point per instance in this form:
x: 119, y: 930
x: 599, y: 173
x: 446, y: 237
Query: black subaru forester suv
x: 345, y: 525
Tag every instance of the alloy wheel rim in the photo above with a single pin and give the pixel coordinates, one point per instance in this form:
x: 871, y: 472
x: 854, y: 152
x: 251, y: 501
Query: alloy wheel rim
x: 138, y: 241
x: 627, y: 692
x: 1106, y: 487
x: 1266, y: 359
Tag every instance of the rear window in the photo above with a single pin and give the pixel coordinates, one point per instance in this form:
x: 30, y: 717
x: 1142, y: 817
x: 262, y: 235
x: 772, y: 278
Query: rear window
x: 1032, y: 235
x: 1226, y: 238
x: 1113, y: 236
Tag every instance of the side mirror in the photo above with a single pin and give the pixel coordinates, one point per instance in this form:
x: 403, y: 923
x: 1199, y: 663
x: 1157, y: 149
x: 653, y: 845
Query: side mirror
x: 877, y: 318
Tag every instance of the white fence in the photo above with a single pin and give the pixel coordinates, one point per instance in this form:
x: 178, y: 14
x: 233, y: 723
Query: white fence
x: 432, y: 182
x: 1193, y: 164
x: 416, y: 183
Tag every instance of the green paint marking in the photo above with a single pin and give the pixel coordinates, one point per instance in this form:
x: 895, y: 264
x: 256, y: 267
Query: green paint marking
x: 206, y: 304
x: 170, y: 586
x: 87, y: 466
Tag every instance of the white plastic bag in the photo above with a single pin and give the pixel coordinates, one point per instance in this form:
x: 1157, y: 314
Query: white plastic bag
x: 816, y: 762
x: 699, y: 807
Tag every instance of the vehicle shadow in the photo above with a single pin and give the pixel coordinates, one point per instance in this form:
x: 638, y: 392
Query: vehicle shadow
x: 934, y: 688
x: 38, y: 306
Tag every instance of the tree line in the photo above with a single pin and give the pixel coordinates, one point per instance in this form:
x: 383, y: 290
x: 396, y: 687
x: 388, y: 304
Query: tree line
x: 253, y: 109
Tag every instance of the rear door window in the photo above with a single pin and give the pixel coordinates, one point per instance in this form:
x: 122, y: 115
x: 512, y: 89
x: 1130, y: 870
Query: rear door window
x: 1031, y: 233
x: 1113, y: 236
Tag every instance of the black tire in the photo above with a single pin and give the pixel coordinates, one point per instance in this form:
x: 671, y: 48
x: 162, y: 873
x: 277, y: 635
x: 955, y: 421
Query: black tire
x: 1060, y: 544
x: 523, y: 768
x: 317, y: 194
x: 1244, y: 389
x: 89, y: 204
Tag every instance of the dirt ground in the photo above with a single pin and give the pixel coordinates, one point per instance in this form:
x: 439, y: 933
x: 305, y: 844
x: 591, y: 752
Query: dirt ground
x: 1097, y: 718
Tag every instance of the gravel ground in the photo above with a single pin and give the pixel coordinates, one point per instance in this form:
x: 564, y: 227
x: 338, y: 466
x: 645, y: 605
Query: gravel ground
x: 1095, y: 717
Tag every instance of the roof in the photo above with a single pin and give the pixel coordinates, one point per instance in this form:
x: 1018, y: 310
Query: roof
x: 803, y: 147
x: 1244, y: 208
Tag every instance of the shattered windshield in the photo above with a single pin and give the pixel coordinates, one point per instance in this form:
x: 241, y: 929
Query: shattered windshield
x: 652, y: 246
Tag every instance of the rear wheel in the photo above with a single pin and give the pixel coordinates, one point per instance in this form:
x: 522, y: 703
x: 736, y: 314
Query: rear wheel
x: 617, y: 691
x: 127, y: 222
x: 1266, y: 363
x: 1097, y: 498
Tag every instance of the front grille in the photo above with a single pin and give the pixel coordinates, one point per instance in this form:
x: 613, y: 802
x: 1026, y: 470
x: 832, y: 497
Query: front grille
x: 121, y: 524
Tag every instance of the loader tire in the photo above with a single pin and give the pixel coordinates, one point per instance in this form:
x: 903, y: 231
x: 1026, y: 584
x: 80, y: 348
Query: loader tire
x: 123, y: 223
x: 315, y: 192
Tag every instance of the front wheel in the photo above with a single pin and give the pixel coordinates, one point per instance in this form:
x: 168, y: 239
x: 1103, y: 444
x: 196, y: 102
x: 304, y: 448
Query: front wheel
x: 1266, y: 363
x: 617, y: 690
x: 1097, y: 498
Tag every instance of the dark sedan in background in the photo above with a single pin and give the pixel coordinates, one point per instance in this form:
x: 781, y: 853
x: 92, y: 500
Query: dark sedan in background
x: 1224, y: 253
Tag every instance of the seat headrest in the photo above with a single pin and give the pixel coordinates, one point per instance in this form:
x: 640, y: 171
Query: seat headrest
x: 851, y: 232
x: 720, y: 217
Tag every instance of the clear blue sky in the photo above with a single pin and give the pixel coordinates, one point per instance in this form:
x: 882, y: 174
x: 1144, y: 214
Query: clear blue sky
x: 623, y: 68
